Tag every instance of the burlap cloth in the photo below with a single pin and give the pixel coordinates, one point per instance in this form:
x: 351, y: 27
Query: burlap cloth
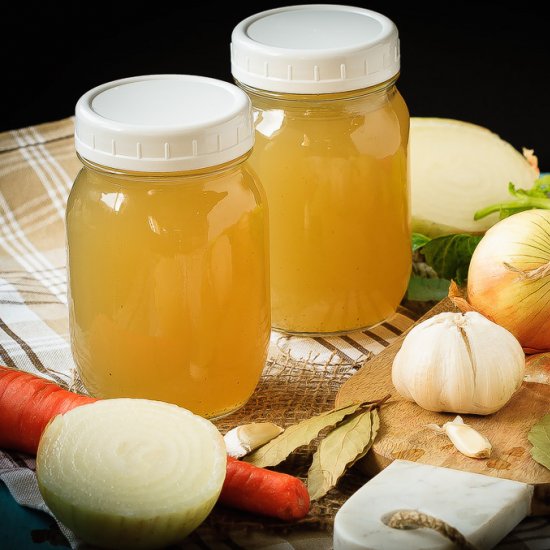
x: 301, y: 377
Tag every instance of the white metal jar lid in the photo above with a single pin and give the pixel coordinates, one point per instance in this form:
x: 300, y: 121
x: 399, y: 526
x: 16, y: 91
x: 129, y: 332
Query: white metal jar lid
x: 163, y: 123
x: 315, y: 49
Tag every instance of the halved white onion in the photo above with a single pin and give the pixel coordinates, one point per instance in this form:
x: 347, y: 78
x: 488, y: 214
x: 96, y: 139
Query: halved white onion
x: 131, y: 473
x: 457, y: 168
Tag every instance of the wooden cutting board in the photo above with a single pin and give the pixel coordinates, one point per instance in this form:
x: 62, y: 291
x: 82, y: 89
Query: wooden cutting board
x: 404, y: 433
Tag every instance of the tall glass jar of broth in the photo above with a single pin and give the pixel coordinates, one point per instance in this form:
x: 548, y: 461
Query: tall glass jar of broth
x: 331, y: 152
x: 167, y: 244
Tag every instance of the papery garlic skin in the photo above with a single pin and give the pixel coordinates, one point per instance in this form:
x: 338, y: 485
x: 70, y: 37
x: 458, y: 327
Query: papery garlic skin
x: 459, y: 362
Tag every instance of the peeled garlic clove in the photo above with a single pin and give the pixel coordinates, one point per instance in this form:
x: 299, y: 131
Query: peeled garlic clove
x: 246, y: 438
x: 467, y: 440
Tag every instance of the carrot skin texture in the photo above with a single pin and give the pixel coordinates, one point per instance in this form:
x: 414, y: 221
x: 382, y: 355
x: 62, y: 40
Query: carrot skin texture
x: 264, y: 492
x: 27, y: 404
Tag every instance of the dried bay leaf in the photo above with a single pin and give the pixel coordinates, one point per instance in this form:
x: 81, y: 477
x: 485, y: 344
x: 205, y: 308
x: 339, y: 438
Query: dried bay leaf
x: 340, y: 449
x: 539, y: 437
x: 375, y: 419
x: 276, y: 450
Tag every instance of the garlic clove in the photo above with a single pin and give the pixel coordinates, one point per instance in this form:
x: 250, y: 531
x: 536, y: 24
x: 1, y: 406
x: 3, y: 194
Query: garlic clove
x: 467, y: 440
x: 246, y: 438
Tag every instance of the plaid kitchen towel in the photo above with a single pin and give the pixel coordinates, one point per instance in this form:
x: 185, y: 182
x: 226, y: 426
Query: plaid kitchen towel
x: 37, y: 167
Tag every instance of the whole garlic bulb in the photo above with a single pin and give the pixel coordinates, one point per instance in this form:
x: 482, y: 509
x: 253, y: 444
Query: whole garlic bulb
x: 459, y: 362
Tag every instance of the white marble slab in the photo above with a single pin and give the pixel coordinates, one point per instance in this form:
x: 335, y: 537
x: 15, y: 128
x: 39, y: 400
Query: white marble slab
x: 484, y: 509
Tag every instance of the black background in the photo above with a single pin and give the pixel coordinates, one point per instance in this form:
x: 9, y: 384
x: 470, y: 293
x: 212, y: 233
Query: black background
x: 475, y: 61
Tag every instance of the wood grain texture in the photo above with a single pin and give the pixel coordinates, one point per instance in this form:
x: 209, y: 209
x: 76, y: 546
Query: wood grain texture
x: 404, y: 433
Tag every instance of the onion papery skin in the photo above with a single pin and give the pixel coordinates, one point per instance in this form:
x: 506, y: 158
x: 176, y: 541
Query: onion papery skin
x: 131, y: 473
x: 497, y: 287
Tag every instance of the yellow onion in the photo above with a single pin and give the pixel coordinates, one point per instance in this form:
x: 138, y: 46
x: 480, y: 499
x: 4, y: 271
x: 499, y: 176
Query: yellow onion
x: 509, y: 277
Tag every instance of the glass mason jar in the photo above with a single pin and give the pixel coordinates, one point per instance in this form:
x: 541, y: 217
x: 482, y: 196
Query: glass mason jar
x: 331, y: 152
x: 167, y: 244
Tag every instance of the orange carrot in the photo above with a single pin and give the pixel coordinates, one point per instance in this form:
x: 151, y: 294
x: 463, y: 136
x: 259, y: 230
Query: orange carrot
x: 264, y: 492
x: 27, y: 404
